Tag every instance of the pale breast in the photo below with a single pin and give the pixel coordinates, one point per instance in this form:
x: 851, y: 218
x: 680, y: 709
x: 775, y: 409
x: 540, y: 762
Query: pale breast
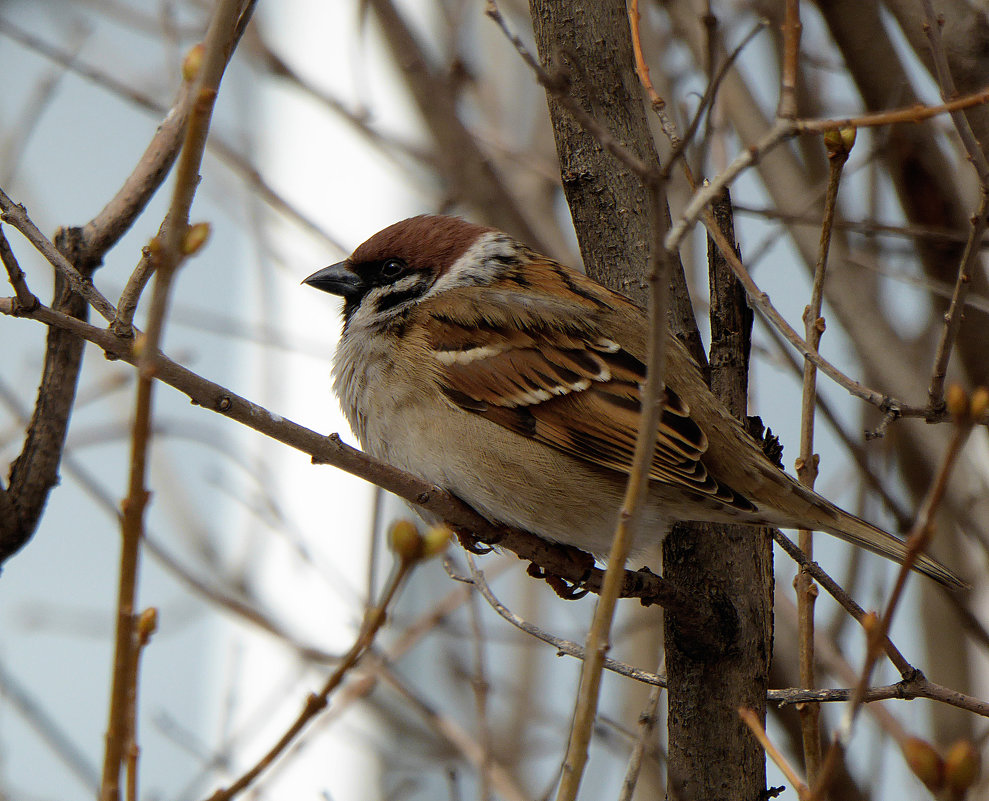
x: 402, y: 418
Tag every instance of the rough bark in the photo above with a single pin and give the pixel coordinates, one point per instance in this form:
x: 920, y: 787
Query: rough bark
x: 591, y: 44
x: 711, y: 755
x: 34, y: 473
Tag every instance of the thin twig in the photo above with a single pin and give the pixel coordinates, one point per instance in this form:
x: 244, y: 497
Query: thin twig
x: 657, y: 102
x: 852, y: 442
x: 762, y: 302
x: 751, y: 719
x: 878, y: 629
x: 218, y: 44
x: 946, y: 83
x: 914, y: 113
x: 563, y: 646
x: 17, y: 216
x: 906, y: 690
x: 837, y: 592
x: 679, y: 144
x: 145, y: 625
x: 867, y: 227
x: 791, y: 60
x: 956, y: 309
x: 363, y: 684
x: 707, y: 99
x: 558, y: 86
x: 807, y: 463
x: 952, y: 319
x: 660, y: 261
x: 123, y: 322
x: 831, y: 659
x: 479, y: 683
x: 705, y: 195
x: 785, y: 129
x: 26, y: 300
x: 799, y: 695
x: 913, y: 685
x: 916, y: 544
x: 647, y: 724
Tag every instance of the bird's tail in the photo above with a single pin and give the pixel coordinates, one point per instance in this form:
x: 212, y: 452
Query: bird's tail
x: 853, y: 529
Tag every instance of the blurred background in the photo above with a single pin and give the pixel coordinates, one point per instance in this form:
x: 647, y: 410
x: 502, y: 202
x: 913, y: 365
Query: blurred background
x: 260, y: 563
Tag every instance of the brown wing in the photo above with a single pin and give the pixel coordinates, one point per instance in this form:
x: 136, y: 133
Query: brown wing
x: 567, y: 386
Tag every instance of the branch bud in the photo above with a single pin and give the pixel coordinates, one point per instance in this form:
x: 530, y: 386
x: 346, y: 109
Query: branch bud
x: 193, y: 62
x: 195, y: 238
x: 925, y: 762
x: 147, y: 624
x: 840, y: 142
x: 436, y: 540
x: 957, y: 401
x: 406, y: 541
x: 980, y: 403
x: 962, y: 766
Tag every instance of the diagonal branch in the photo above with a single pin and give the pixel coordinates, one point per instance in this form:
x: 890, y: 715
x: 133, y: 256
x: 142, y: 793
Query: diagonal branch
x: 75, y: 255
x: 572, y: 565
x: 953, y: 317
x: 169, y: 250
x: 35, y: 470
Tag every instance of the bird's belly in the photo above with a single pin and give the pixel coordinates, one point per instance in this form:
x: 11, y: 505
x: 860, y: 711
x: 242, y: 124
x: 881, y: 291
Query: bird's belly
x: 508, y: 478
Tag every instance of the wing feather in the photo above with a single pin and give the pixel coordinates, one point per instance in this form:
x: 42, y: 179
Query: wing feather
x: 564, y: 384
x: 539, y: 364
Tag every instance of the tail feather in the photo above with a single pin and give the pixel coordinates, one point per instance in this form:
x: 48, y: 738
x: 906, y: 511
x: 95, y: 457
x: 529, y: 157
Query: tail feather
x: 807, y: 509
x: 865, y: 535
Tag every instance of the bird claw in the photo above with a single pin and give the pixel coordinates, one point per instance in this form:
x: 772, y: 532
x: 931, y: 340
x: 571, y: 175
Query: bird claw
x: 472, y: 545
x: 566, y: 590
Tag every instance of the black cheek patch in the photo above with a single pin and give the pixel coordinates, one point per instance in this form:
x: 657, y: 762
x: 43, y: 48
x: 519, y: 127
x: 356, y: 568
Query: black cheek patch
x: 350, y: 306
x: 398, y: 297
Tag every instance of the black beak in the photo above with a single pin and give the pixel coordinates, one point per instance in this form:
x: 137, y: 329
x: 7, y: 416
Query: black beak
x: 337, y: 279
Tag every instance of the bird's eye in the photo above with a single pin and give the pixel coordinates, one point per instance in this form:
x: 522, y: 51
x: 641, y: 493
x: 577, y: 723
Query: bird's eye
x: 392, y: 268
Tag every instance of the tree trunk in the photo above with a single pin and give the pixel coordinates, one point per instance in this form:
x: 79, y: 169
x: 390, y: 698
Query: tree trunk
x: 711, y: 755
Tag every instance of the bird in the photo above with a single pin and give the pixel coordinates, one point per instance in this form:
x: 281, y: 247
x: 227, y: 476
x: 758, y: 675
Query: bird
x: 514, y: 382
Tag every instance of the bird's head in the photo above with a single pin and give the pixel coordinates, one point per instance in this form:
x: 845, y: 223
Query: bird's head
x: 413, y: 259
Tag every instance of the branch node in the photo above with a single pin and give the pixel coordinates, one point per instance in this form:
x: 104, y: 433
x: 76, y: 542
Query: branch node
x: 891, y: 412
x: 25, y: 308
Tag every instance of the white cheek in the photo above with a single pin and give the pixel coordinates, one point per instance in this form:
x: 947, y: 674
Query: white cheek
x: 478, y: 266
x: 367, y: 317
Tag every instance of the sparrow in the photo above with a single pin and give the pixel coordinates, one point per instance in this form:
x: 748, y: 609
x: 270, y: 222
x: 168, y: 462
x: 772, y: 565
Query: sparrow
x: 514, y: 382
